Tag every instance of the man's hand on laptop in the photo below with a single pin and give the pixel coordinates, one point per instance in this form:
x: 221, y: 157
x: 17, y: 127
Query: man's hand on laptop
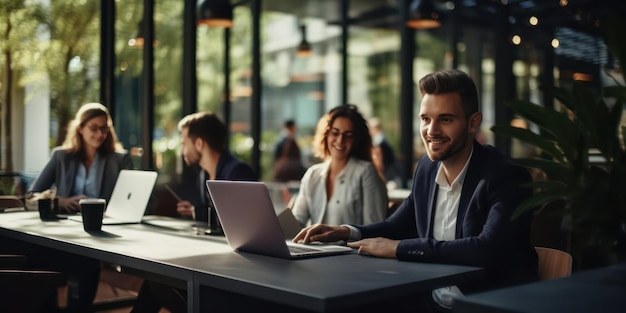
x: 70, y: 205
x: 185, y: 208
x: 322, y: 233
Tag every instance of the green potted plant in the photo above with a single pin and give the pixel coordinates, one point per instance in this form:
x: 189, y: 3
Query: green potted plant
x: 591, y: 196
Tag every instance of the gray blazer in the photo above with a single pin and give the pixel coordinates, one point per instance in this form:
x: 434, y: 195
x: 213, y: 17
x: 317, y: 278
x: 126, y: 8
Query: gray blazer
x: 62, y: 168
x: 360, y: 195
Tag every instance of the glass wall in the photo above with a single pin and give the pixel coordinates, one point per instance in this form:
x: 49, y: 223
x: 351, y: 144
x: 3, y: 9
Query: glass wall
x: 50, y: 66
x: 296, y: 86
x: 241, y: 83
x: 168, y: 84
x: 130, y: 96
x: 303, y: 88
x: 128, y: 72
x: 374, y: 76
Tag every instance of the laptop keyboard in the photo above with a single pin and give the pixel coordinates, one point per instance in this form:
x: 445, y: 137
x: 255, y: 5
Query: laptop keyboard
x: 299, y: 249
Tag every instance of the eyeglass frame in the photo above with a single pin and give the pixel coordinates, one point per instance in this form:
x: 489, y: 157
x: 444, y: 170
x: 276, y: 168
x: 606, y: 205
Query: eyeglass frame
x: 94, y: 128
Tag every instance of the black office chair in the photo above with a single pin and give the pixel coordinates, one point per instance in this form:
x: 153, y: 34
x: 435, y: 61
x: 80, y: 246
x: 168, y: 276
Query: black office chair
x: 27, y: 290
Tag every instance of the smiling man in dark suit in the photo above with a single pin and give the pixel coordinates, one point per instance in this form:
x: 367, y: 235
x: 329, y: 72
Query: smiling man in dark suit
x: 463, y: 197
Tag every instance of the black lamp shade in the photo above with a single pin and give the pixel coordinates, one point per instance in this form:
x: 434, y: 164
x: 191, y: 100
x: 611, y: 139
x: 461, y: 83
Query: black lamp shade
x: 139, y: 39
x: 422, y: 15
x: 304, y: 48
x: 217, y: 13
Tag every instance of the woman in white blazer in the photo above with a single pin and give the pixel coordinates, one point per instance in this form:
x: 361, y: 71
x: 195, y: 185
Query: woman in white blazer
x: 346, y: 187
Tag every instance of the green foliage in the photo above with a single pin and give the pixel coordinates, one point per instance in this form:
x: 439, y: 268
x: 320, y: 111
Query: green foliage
x: 7, y: 186
x: 17, y: 51
x: 592, y: 193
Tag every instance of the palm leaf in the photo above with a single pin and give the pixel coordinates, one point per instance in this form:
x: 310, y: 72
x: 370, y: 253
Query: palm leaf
x: 612, y: 32
x: 545, y: 185
x: 617, y: 92
x: 538, y: 200
x: 565, y: 97
x: 557, y: 124
x: 623, y: 132
x: 597, y: 119
x: 584, y: 107
x: 554, y: 170
x: 546, y: 145
x: 611, y: 128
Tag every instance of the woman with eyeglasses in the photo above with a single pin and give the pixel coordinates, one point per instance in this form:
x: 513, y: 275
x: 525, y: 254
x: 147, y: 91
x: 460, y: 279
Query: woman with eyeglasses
x: 88, y: 162
x: 85, y: 166
x: 346, y: 187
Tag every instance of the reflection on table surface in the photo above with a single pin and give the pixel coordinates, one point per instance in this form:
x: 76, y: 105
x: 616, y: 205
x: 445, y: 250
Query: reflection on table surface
x: 207, y: 266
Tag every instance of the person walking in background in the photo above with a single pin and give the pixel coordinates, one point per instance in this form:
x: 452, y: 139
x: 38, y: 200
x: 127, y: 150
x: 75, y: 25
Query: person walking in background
x: 85, y: 166
x: 345, y: 188
x: 383, y: 156
x: 287, y: 158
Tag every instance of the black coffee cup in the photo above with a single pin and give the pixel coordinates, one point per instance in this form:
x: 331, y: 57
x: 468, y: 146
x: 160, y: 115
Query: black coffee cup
x: 46, y: 210
x: 92, y: 211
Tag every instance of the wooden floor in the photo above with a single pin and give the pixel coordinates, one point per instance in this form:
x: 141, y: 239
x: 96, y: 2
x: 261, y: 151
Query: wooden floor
x: 115, y: 293
x: 106, y: 294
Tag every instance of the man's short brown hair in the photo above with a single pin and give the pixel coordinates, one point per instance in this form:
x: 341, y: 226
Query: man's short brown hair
x: 206, y: 126
x: 452, y: 81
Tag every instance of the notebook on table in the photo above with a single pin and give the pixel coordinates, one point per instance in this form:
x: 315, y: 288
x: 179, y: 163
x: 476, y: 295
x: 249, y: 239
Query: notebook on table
x: 250, y: 223
x: 9, y: 203
x: 129, y: 199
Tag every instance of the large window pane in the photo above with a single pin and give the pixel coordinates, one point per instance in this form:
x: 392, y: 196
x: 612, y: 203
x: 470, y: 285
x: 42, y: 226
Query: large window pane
x: 168, y: 83
x: 129, y: 43
x: 50, y: 68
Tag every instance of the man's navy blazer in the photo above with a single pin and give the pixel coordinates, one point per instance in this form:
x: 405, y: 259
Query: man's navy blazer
x: 194, y: 189
x: 485, y: 234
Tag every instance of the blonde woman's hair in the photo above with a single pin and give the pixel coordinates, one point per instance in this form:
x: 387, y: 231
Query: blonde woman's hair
x: 74, y: 144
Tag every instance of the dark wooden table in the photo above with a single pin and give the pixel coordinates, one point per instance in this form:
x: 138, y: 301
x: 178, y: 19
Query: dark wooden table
x: 598, y: 290
x: 211, y: 270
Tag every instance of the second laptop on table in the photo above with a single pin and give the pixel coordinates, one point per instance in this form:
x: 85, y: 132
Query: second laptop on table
x: 129, y: 199
x: 249, y: 221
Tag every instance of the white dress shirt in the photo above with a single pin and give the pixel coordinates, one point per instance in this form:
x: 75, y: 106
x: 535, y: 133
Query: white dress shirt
x: 444, y: 224
x: 447, y: 207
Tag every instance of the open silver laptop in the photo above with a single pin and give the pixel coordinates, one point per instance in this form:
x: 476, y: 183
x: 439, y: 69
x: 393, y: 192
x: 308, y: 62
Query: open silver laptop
x: 288, y: 223
x: 129, y: 199
x: 250, y: 224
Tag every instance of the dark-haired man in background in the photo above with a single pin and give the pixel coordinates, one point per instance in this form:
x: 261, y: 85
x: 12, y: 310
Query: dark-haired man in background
x: 204, y: 144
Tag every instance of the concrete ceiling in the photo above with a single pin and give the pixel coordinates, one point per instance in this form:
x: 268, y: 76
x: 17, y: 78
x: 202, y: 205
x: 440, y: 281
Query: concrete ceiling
x: 578, y: 14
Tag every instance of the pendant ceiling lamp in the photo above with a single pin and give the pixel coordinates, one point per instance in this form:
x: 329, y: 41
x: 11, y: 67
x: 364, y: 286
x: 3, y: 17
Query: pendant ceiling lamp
x: 304, y: 48
x: 216, y: 13
x: 422, y: 15
x: 137, y: 42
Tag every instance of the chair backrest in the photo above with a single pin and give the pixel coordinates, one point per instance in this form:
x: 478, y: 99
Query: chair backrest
x: 27, y: 290
x: 553, y: 263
